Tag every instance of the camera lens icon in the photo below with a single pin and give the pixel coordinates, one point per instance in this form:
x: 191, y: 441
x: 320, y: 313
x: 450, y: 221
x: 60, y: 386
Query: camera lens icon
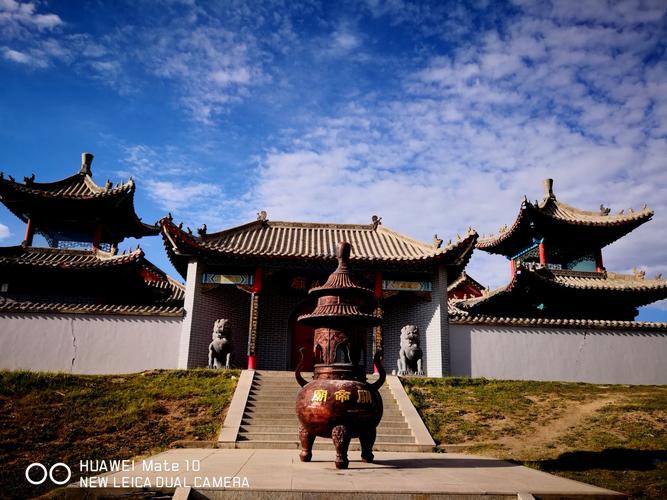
x: 47, y: 473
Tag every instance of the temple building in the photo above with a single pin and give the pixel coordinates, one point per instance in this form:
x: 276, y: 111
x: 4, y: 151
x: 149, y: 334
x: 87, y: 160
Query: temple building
x: 77, y: 304
x: 81, y: 270
x: 465, y: 287
x: 257, y: 275
x: 557, y: 271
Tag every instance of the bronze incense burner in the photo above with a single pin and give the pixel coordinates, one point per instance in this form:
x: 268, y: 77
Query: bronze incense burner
x: 338, y: 403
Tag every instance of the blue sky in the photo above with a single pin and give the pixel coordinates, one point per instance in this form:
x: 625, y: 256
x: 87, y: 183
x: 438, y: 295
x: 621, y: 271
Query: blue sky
x: 436, y: 116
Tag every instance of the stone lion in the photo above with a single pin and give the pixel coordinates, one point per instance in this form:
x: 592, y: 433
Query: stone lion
x: 220, y: 350
x: 410, y: 355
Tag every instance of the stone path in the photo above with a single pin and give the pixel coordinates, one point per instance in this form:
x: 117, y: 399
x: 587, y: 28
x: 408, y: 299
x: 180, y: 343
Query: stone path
x: 280, y: 474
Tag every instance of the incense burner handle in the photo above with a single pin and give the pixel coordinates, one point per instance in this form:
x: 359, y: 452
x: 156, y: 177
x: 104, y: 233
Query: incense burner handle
x: 297, y: 373
x: 377, y: 361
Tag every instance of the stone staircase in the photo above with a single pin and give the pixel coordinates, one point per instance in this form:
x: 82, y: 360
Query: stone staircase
x: 269, y: 419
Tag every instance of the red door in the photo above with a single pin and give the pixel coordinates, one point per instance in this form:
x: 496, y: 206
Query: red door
x: 302, y: 336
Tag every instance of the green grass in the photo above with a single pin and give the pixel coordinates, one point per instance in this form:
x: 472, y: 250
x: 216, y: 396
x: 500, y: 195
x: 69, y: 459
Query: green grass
x: 621, y: 444
x: 48, y: 418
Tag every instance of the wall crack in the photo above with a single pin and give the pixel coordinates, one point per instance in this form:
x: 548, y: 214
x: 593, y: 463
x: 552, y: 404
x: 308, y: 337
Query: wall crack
x: 71, y: 326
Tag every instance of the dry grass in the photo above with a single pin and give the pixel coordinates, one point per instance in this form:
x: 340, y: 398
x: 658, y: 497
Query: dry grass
x: 48, y: 418
x: 611, y: 436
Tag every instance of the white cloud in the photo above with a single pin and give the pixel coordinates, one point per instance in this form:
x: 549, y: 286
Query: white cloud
x: 17, y: 15
x: 173, y: 196
x: 4, y: 232
x: 477, y: 129
x: 17, y: 56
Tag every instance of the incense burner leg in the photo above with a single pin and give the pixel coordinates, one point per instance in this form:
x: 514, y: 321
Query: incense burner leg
x: 341, y: 439
x: 307, y: 439
x: 367, y: 440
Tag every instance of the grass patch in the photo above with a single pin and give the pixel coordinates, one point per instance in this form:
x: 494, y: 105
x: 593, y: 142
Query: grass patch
x: 48, y: 418
x: 611, y: 436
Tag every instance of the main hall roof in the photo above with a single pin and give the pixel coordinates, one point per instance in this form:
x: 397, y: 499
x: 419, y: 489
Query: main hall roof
x: 270, y: 240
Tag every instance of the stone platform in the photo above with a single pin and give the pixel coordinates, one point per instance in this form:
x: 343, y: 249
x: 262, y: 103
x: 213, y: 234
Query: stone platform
x: 278, y: 474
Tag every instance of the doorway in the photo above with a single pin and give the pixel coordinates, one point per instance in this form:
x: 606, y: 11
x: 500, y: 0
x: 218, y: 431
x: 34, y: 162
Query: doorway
x: 302, y: 336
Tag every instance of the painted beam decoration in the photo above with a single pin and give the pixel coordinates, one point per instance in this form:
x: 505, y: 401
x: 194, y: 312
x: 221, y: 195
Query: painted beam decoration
x: 407, y: 286
x: 252, y: 327
x: 228, y: 279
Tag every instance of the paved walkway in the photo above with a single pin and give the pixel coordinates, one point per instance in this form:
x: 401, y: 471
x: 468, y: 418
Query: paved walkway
x: 393, y: 472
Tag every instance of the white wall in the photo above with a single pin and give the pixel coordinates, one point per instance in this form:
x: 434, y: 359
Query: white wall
x: 538, y: 353
x: 79, y: 343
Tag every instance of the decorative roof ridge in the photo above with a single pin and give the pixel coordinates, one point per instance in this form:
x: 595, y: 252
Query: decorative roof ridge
x: 50, y: 189
x: 295, y: 224
x: 19, y: 252
x: 457, y: 281
x: 425, y: 246
x: 493, y: 239
x: 637, y: 276
x: 472, y: 302
x: 138, y: 252
x: 461, y: 279
x: 543, y: 207
x: 546, y: 274
x: 466, y: 318
x: 9, y: 306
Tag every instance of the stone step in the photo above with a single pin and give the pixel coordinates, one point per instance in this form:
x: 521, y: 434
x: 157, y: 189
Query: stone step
x: 281, y: 411
x: 382, y: 429
x: 322, y: 444
x: 292, y: 420
x: 285, y: 402
x: 269, y: 419
x: 293, y: 436
x: 257, y: 382
x: 274, y: 385
x: 282, y: 397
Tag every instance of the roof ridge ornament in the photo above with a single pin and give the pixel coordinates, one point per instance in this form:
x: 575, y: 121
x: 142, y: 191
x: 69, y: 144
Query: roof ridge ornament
x: 86, y: 162
x: 437, y: 242
x: 604, y: 210
x: 549, y: 189
x: 29, y: 180
x: 375, y: 222
x: 262, y: 216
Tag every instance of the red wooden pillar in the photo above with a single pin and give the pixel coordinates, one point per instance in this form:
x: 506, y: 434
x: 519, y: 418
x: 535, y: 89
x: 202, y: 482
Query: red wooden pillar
x: 377, y: 289
x: 97, y: 236
x: 598, y: 261
x: 543, y: 255
x: 29, y: 233
x: 377, y: 292
x: 254, y: 313
x: 512, y: 267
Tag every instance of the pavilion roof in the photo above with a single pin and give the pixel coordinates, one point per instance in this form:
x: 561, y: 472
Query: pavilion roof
x: 556, y: 220
x: 65, y: 258
x: 277, y: 240
x: 76, y: 204
x: 458, y: 316
x: 570, y: 286
x: 69, y: 260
